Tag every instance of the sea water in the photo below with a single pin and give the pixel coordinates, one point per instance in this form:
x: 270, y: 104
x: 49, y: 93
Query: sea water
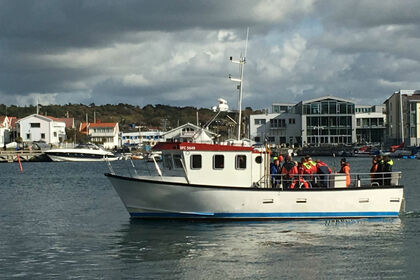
x: 65, y: 221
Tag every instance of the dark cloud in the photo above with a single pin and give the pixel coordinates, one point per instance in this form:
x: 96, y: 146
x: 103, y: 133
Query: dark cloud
x: 176, y: 52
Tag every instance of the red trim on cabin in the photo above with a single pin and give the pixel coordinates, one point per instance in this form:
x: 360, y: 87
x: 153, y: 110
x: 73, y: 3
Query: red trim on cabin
x: 186, y: 146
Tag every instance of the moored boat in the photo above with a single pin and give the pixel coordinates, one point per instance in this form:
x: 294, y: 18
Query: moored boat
x: 86, y: 152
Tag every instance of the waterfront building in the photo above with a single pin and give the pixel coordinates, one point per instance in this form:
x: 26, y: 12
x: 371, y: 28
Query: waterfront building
x: 326, y: 120
x: 370, y: 124
x: 276, y: 128
x: 101, y: 133
x: 403, y: 118
x: 149, y: 138
x: 41, y: 128
x: 188, y: 133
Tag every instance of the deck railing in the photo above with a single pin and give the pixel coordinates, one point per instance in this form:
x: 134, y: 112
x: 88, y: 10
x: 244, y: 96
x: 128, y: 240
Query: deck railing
x: 335, y: 180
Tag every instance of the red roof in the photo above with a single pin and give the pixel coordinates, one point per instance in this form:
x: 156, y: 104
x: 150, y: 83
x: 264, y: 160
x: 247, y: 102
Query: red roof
x: 68, y: 121
x: 13, y: 121
x: 102, y: 125
x: 2, y: 119
x: 186, y: 146
x: 84, y: 126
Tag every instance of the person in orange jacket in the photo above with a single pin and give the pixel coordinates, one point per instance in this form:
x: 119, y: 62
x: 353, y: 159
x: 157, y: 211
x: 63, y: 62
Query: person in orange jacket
x: 345, y: 168
x: 289, y: 171
x: 375, y: 162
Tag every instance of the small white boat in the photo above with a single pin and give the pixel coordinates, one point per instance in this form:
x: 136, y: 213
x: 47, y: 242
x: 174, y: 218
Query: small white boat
x: 86, y: 152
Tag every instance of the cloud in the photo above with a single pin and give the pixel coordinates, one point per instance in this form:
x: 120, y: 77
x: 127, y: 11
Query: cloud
x: 176, y: 52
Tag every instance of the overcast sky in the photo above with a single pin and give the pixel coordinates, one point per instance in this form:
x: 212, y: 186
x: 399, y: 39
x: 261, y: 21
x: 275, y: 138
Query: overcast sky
x: 177, y: 52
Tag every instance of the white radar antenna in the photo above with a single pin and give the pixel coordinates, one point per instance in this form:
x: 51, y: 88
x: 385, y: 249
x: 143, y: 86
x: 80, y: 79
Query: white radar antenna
x: 241, y: 62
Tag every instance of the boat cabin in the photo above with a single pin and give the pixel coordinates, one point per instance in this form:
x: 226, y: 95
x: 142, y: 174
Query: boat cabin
x: 215, y: 165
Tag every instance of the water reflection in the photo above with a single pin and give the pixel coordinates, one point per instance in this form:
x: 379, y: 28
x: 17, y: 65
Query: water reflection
x: 307, y: 249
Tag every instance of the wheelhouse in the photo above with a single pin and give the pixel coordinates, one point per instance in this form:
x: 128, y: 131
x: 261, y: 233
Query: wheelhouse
x: 217, y: 165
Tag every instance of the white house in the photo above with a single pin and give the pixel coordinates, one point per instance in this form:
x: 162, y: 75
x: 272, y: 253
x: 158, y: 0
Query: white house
x: 189, y: 133
x: 40, y: 128
x: 104, y: 133
x: 130, y: 137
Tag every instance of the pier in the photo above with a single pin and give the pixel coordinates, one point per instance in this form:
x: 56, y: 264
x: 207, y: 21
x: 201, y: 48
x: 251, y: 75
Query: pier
x: 24, y: 155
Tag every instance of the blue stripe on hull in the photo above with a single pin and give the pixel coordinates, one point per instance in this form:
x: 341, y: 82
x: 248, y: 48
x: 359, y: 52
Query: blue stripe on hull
x: 297, y: 215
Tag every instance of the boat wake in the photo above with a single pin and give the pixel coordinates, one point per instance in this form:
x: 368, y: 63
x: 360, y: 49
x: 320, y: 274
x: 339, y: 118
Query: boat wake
x: 411, y: 214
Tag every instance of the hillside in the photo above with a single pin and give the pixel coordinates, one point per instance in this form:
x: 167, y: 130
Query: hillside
x: 159, y: 116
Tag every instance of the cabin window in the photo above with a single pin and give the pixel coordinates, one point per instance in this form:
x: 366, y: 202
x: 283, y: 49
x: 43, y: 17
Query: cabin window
x: 240, y: 162
x: 218, y: 162
x: 167, y: 162
x: 195, y: 161
x: 177, y: 161
x: 258, y: 159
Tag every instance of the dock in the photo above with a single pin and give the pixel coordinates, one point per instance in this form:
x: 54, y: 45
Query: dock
x: 24, y: 155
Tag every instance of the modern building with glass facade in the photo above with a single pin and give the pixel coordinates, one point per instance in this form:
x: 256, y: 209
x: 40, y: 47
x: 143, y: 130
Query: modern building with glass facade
x: 326, y: 120
x: 370, y: 124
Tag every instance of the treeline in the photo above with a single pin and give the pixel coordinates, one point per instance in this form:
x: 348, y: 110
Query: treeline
x: 159, y: 116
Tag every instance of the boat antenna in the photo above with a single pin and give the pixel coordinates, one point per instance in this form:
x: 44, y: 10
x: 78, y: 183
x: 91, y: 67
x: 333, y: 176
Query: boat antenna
x: 241, y: 62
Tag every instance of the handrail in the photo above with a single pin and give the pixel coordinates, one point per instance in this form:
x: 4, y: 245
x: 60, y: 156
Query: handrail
x: 336, y: 180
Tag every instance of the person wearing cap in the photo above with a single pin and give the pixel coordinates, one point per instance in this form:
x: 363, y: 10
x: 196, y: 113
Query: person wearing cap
x: 274, y: 170
x: 345, y: 168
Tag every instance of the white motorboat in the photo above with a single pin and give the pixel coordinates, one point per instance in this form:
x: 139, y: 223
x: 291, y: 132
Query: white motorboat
x: 210, y: 181
x: 86, y: 152
x: 232, y: 181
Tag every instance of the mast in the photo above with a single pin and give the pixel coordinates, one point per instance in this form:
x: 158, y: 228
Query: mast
x: 241, y: 62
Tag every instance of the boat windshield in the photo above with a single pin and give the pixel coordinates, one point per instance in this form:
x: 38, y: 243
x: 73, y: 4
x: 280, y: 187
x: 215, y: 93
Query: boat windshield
x: 87, y: 146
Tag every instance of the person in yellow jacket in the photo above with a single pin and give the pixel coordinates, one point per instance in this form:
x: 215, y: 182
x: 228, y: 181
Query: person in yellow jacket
x: 387, y: 167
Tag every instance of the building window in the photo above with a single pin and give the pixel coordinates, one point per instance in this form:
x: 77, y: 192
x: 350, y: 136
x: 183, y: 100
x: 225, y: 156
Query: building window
x: 259, y: 121
x: 35, y: 125
x: 55, y: 134
x: 218, y: 162
x: 42, y: 135
x: 195, y: 161
x: 28, y: 136
x: 292, y: 121
x: 240, y: 162
x: 257, y: 139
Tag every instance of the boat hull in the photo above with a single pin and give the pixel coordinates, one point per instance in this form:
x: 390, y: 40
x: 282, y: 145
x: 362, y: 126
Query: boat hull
x: 152, y: 199
x: 75, y: 158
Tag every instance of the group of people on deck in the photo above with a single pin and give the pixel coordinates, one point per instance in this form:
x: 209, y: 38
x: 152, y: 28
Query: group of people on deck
x: 379, y: 173
x: 306, y: 173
